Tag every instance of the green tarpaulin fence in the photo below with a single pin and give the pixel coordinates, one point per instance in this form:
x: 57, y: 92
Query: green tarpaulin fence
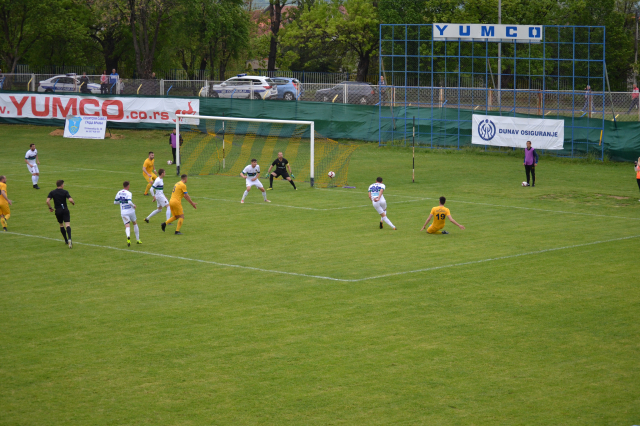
x: 361, y: 122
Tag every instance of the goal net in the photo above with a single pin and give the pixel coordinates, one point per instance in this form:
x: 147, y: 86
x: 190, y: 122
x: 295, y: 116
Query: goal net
x: 225, y: 145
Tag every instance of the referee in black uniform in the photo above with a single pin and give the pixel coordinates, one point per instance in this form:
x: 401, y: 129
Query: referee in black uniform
x: 281, y: 165
x: 59, y: 197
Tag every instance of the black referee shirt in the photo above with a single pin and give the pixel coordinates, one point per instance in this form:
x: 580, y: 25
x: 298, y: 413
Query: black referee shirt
x: 59, y: 197
x: 280, y: 165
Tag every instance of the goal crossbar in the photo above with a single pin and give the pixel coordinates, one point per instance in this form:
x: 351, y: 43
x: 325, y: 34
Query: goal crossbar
x: 250, y: 120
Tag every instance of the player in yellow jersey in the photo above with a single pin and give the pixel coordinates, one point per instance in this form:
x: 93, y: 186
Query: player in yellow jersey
x: 149, y: 172
x: 179, y: 191
x: 439, y: 214
x: 5, y: 202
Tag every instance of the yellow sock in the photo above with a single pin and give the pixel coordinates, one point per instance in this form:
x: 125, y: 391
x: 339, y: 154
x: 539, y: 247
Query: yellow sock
x: 4, y: 222
x: 171, y: 219
x: 439, y: 231
x: 146, y: 191
x: 179, y: 224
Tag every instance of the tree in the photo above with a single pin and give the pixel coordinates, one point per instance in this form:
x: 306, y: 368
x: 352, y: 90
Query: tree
x: 275, y: 13
x: 145, y: 18
x: 347, y: 27
x: 109, y: 31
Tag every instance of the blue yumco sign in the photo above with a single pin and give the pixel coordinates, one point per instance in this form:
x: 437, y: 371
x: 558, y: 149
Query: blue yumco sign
x: 482, y: 32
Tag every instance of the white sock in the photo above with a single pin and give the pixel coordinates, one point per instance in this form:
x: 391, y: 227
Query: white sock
x: 137, y: 231
x: 388, y: 222
x: 264, y: 195
x: 37, y: 179
x: 168, y: 213
x: 128, y: 231
x: 34, y: 179
x: 245, y: 195
x: 153, y: 213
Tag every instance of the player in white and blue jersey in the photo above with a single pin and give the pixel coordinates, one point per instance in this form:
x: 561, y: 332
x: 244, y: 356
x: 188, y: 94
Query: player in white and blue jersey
x: 31, y: 158
x: 128, y: 212
x: 376, y: 196
x: 251, y: 173
x: 159, y: 197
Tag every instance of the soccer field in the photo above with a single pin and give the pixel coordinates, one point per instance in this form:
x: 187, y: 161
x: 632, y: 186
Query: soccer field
x: 303, y: 312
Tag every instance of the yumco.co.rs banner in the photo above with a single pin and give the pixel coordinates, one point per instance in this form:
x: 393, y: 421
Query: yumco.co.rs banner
x: 515, y: 132
x: 119, y: 109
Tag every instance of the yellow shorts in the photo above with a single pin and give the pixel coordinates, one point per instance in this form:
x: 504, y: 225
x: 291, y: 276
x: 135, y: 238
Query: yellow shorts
x: 153, y: 177
x: 5, y: 210
x: 176, y: 208
x: 433, y: 230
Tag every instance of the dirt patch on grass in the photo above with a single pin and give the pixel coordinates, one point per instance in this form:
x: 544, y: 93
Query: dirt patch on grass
x: 57, y: 132
x: 115, y: 136
x: 60, y: 132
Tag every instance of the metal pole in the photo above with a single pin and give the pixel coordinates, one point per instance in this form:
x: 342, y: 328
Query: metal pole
x: 499, y: 59
x: 312, y: 164
x: 413, y: 173
x: 177, y: 146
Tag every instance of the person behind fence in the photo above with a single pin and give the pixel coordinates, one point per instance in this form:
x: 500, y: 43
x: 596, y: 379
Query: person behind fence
x: 113, y: 79
x: 530, y: 162
x: 104, y: 83
x: 84, y: 83
x: 634, y: 98
x: 587, y: 99
x: 637, y: 170
x: 172, y: 142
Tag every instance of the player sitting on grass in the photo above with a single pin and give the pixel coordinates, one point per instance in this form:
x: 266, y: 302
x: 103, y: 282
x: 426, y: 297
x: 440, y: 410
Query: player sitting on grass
x: 179, y: 191
x: 148, y: 172
x: 128, y: 212
x: 60, y: 197
x: 379, y: 203
x: 282, y: 165
x: 439, y: 214
x: 5, y: 202
x: 159, y: 197
x: 251, y: 173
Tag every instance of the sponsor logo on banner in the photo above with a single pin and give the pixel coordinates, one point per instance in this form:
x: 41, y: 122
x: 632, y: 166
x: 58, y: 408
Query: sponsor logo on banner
x: 74, y: 124
x: 119, y: 109
x: 486, y: 129
x: 515, y: 132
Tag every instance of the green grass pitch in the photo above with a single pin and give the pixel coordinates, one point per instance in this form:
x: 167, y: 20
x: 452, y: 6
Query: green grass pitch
x: 303, y: 312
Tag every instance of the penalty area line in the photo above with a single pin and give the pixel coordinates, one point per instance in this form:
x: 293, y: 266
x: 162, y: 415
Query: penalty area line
x: 393, y: 274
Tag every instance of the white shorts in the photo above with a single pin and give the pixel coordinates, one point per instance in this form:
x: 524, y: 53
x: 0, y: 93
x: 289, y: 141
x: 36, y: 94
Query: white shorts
x: 161, y: 200
x: 380, y: 206
x: 254, y: 183
x: 129, y: 217
x: 33, y: 169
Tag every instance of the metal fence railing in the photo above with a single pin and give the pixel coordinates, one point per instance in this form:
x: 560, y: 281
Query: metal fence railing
x: 621, y: 106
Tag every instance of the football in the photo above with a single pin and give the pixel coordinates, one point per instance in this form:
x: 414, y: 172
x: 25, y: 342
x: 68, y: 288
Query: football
x: 525, y: 184
x: 169, y: 162
x: 331, y: 174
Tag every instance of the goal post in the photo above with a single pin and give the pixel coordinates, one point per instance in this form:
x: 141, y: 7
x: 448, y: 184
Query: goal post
x: 225, y: 145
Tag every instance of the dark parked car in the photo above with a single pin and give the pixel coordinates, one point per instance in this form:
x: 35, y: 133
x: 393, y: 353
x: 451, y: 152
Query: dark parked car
x: 289, y: 89
x: 357, y: 93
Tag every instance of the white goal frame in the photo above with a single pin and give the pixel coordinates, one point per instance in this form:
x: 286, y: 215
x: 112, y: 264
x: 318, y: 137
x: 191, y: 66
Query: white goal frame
x: 250, y: 120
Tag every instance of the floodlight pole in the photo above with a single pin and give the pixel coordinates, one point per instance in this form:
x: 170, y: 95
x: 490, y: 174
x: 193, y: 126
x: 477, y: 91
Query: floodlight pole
x: 500, y: 60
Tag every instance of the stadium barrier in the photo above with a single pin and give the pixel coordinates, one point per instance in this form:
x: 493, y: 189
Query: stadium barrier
x: 361, y: 122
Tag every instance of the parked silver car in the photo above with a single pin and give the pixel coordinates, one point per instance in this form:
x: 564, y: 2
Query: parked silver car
x: 242, y: 86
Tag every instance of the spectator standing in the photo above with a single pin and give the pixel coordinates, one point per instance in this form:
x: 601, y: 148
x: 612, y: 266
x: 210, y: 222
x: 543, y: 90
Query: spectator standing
x: 104, y: 83
x: 113, y: 79
x: 84, y: 83
x: 634, y: 98
x: 530, y: 162
x: 587, y: 99
x: 172, y: 142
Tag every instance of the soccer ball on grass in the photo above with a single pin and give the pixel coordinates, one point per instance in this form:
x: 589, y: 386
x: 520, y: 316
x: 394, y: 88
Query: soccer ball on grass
x: 331, y: 175
x: 169, y: 162
x: 525, y: 184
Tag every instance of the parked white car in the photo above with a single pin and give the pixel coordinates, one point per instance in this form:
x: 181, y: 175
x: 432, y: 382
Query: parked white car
x: 243, y: 86
x: 65, y: 83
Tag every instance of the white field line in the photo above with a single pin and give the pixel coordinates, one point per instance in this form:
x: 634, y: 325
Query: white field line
x: 499, y: 205
x: 228, y: 265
